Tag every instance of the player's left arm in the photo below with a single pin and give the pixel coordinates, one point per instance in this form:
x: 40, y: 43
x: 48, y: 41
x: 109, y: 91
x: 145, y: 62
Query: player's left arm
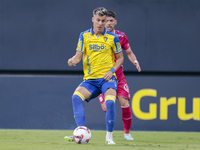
x: 131, y: 56
x: 118, y: 63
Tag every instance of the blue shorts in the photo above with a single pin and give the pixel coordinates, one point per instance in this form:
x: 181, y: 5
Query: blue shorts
x: 98, y: 86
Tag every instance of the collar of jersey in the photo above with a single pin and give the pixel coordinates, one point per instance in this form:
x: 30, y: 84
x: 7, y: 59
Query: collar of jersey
x: 92, y: 32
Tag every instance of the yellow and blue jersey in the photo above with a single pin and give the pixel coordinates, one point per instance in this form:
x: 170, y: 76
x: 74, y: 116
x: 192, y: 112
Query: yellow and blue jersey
x: 98, y: 52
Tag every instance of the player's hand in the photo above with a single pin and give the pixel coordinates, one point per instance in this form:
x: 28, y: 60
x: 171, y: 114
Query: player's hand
x: 71, y: 62
x: 107, y: 76
x: 137, y: 65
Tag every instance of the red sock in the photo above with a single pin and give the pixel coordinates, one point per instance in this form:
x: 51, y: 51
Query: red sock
x: 127, y: 118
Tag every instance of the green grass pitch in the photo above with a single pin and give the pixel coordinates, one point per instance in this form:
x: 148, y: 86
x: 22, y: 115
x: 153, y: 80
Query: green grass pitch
x: 54, y: 140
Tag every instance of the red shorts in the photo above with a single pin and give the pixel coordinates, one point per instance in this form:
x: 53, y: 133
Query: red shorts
x: 122, y: 88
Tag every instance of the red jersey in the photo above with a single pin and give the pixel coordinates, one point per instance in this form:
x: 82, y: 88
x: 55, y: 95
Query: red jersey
x: 125, y: 45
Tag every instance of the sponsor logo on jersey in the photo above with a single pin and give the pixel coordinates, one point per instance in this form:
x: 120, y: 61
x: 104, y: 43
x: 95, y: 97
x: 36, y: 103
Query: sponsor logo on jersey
x: 97, y: 47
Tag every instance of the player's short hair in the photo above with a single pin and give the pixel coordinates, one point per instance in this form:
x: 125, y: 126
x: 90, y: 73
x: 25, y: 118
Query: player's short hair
x: 111, y: 14
x: 101, y: 11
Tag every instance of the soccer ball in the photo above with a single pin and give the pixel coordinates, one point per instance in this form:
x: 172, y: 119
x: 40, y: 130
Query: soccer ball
x: 82, y: 135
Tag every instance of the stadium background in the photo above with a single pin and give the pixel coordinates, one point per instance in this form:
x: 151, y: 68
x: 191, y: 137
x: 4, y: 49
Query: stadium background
x: 38, y: 36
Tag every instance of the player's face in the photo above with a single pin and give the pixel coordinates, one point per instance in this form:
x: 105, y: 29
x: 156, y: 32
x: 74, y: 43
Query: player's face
x: 99, y: 23
x: 110, y: 24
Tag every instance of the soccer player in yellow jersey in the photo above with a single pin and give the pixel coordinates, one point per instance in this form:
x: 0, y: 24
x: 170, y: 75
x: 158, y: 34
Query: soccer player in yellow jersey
x: 97, y: 46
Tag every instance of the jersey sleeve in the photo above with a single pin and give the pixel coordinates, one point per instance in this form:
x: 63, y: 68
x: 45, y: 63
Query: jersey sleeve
x: 117, y: 46
x: 80, y: 43
x: 125, y: 43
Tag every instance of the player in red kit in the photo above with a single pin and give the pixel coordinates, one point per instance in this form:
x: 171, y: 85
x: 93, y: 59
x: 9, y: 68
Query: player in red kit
x: 123, y: 93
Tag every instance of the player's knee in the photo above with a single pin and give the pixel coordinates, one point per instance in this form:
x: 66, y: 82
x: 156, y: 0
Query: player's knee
x: 124, y: 102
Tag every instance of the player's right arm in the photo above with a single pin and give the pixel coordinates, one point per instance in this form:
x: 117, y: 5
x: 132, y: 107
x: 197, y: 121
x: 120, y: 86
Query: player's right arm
x: 79, y: 52
x: 75, y: 59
